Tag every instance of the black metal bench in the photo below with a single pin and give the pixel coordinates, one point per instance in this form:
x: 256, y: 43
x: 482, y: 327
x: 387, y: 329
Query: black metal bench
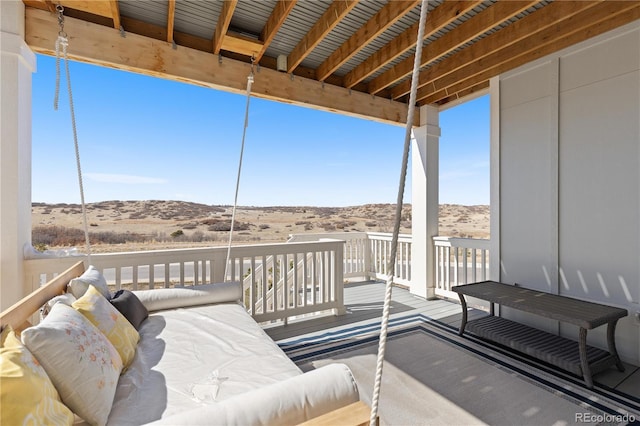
x: 567, y: 354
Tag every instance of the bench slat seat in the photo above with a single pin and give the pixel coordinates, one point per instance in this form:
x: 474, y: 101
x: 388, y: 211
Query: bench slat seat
x: 550, y: 348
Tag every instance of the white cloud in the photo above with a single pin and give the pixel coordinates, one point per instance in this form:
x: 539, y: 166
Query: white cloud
x: 124, y: 179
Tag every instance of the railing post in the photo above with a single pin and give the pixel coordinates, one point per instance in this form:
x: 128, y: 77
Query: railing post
x: 368, y: 254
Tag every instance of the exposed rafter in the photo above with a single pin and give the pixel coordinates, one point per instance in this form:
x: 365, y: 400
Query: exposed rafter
x: 274, y: 23
x: 441, y: 16
x: 466, y: 43
x: 171, y: 17
x: 589, y: 23
x: 380, y: 22
x: 141, y: 54
x: 329, y: 19
x: 438, y: 76
x: 115, y: 13
x: 224, y: 20
x: 484, y: 21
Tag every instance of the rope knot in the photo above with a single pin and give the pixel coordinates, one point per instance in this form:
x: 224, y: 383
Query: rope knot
x: 62, y: 40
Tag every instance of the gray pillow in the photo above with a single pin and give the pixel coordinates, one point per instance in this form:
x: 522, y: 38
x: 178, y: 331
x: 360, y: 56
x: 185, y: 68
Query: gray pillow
x: 130, y: 307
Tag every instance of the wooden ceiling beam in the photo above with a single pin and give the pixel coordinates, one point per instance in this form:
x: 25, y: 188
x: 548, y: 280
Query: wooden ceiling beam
x: 41, y: 4
x: 241, y: 44
x: 115, y: 13
x: 224, y: 20
x: 515, y: 32
x: 277, y: 18
x: 139, y: 54
x: 489, y: 18
x: 193, y: 42
x: 323, y: 26
x: 512, y: 41
x: 587, y: 24
x: 96, y: 7
x: 439, y: 17
x: 171, y: 18
x: 379, y: 23
x: 82, y: 8
x: 460, y: 96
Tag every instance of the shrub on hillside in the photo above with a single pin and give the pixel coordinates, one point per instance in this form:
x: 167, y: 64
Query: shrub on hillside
x: 61, y: 236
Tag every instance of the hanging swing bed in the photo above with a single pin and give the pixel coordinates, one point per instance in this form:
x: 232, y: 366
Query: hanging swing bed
x: 190, y: 355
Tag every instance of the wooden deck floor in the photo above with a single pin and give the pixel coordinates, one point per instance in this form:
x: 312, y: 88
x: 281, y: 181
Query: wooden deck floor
x: 364, y: 303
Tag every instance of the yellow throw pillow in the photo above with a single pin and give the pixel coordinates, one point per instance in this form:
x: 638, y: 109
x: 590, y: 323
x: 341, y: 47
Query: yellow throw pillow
x: 122, y: 335
x: 27, y: 395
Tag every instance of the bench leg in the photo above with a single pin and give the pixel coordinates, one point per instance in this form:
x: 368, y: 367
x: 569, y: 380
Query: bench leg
x: 584, y: 362
x: 611, y: 343
x: 463, y: 324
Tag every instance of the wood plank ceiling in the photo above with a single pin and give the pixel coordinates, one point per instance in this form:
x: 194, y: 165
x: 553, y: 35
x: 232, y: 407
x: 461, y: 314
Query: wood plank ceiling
x: 348, y: 56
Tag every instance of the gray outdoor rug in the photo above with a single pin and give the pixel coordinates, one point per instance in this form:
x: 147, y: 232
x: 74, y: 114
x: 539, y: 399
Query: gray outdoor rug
x: 433, y: 376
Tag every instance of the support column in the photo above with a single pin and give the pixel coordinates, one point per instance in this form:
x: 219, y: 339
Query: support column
x: 424, y: 201
x: 16, y: 66
x: 494, y: 224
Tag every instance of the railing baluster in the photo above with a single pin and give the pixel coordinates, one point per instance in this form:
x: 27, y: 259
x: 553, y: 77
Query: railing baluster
x: 484, y: 264
x: 465, y: 253
x: 263, y: 287
x: 305, y: 282
x: 314, y: 277
x: 285, y: 281
x: 135, y: 277
x: 326, y: 273
x: 167, y: 272
x: 118, y: 278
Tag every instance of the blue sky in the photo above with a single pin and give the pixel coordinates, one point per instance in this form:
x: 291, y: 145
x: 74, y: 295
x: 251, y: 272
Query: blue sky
x: 145, y: 138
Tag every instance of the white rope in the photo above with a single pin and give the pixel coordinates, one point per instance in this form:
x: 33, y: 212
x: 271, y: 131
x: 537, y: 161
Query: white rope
x: 235, y: 200
x: 62, y: 41
x: 396, y: 229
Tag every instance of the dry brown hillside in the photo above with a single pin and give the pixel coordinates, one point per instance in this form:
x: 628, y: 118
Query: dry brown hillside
x: 145, y: 225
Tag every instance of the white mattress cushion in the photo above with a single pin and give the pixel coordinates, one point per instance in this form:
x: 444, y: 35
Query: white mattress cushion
x: 288, y: 402
x: 181, y: 352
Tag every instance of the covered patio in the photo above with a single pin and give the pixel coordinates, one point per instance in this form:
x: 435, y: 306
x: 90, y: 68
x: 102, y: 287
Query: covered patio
x: 433, y: 376
x: 564, y: 83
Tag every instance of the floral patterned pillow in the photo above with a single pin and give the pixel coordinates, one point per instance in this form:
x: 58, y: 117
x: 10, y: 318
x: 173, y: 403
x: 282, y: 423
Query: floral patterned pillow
x: 27, y: 396
x: 122, y: 335
x: 80, y: 361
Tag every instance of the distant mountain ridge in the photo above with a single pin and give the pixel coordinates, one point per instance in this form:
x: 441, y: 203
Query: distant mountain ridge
x: 159, y: 220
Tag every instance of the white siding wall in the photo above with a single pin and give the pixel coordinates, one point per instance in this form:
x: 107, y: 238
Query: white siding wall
x: 570, y: 178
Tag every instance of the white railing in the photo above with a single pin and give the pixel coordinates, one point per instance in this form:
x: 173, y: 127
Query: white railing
x: 290, y: 279
x: 380, y: 249
x: 304, y: 275
x: 357, y: 261
x: 366, y: 254
x: 459, y: 261
x: 310, y: 266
